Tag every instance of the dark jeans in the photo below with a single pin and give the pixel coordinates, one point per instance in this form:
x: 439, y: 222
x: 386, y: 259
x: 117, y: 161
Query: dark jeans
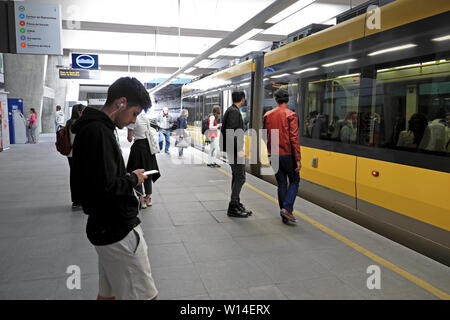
x: 237, y: 181
x: 74, y: 196
x: 286, y: 195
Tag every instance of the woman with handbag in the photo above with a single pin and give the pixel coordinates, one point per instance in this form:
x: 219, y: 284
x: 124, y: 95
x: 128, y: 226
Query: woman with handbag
x: 143, y: 155
x: 213, y: 134
x: 77, y: 111
x: 32, y: 125
x: 181, y: 131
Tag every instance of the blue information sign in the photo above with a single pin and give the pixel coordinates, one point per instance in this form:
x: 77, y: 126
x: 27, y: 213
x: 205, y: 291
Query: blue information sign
x: 84, y: 61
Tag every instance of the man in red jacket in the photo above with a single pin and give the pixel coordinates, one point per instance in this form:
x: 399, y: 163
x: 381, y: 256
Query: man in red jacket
x: 284, y: 122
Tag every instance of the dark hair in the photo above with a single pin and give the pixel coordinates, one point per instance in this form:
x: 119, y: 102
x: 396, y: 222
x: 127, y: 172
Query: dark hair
x: 76, y: 114
x: 281, y: 96
x: 216, y: 111
x: 419, y: 129
x: 58, y: 107
x: 131, y: 89
x: 237, y: 96
x: 32, y: 109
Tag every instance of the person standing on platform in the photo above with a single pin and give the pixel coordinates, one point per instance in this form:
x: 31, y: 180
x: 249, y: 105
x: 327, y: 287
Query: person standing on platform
x: 59, y: 118
x: 107, y: 193
x: 77, y: 111
x: 181, y: 129
x: 32, y: 125
x: 234, y: 124
x: 142, y: 157
x: 165, y: 122
x: 213, y: 135
x: 284, y: 122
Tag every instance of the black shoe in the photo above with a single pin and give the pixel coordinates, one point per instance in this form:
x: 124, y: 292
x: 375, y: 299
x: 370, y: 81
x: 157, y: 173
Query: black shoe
x: 76, y: 205
x: 235, y: 211
x: 216, y: 165
x: 210, y: 165
x: 243, y: 209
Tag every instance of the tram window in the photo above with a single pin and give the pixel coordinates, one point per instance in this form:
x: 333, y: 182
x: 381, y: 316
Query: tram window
x: 410, y: 108
x: 331, y: 109
x: 270, y: 86
x: 189, y: 105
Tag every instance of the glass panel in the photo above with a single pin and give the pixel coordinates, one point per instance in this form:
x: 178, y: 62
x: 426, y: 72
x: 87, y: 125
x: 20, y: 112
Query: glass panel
x: 270, y: 86
x: 331, y: 108
x: 411, y: 108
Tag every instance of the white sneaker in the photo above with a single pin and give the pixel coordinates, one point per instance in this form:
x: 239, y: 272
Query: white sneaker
x: 143, y: 204
x: 149, y: 202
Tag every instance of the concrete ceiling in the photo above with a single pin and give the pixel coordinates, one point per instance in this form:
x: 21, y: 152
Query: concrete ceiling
x: 153, y: 38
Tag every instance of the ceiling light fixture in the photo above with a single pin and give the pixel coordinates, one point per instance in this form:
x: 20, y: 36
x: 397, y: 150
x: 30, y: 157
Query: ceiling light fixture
x: 398, y: 48
x: 306, y: 70
x: 280, y: 75
x: 246, y: 36
x: 444, y: 38
x: 339, y: 62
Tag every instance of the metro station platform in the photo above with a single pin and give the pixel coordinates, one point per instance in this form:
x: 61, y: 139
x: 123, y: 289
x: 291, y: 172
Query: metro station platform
x: 196, y: 251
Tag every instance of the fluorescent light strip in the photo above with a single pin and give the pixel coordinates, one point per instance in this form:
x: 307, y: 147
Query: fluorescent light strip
x: 297, y: 6
x: 190, y: 70
x: 404, y: 47
x: 306, y: 70
x: 444, y: 38
x: 244, y: 84
x: 280, y: 75
x: 246, y: 36
x: 349, y: 75
x: 339, y: 62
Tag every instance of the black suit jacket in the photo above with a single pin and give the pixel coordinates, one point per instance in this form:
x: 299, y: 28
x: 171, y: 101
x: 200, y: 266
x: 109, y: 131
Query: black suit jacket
x: 232, y: 119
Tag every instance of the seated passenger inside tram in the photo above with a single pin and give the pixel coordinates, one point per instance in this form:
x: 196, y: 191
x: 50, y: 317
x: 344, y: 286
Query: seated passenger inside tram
x: 350, y: 127
x: 412, y: 137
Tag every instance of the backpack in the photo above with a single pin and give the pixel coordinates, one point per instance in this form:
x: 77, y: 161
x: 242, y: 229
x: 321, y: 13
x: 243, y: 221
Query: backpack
x: 63, y: 141
x: 205, y: 124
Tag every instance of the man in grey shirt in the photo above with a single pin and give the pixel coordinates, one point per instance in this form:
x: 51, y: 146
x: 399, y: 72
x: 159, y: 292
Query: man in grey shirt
x: 165, y: 122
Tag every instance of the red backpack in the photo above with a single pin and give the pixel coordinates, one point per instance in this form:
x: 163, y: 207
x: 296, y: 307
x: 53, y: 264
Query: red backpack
x: 63, y: 141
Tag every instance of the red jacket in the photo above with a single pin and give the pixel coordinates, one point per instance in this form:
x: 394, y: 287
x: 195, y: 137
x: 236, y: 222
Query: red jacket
x: 286, y: 121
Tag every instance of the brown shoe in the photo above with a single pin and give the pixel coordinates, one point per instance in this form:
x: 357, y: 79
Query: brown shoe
x: 286, y: 214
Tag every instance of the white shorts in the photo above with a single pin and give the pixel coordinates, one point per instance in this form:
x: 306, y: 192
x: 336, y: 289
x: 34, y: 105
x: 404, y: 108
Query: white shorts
x: 124, y: 269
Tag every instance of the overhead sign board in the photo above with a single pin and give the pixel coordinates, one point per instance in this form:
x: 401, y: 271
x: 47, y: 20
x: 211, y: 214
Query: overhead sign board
x: 84, y: 61
x: 37, y: 28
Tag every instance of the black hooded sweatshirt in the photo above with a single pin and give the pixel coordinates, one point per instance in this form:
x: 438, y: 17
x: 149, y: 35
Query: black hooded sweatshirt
x: 101, y: 180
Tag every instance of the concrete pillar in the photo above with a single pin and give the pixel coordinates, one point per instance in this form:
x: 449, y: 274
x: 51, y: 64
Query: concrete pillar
x: 24, y: 78
x: 57, y: 96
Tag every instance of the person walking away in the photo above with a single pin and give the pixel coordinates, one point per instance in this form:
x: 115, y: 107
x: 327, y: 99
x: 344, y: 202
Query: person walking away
x: 32, y: 125
x: 284, y: 122
x: 77, y: 111
x: 59, y: 118
x: 232, y: 121
x: 107, y: 194
x: 141, y: 157
x: 181, y: 129
x: 213, y: 134
x: 165, y: 123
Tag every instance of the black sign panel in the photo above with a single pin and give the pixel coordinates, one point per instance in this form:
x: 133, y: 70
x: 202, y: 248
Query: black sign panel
x: 74, y: 74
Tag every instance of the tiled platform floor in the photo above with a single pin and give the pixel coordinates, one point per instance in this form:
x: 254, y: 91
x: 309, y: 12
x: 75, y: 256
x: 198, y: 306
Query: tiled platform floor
x: 195, y: 250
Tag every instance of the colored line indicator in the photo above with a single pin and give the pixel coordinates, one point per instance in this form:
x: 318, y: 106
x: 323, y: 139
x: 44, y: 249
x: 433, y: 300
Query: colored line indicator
x: 21, y: 16
x: 23, y: 38
x: 22, y: 23
x: 23, y: 45
x: 22, y: 30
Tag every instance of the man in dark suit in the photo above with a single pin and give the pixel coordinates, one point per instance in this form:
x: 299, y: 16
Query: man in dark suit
x: 232, y: 140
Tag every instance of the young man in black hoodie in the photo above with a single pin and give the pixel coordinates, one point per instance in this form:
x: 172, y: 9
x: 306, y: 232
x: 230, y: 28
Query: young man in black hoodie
x: 106, y: 193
